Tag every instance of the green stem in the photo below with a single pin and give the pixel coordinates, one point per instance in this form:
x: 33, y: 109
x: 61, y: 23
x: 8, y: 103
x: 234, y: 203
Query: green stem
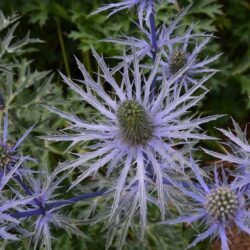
x: 64, y: 54
x: 86, y: 58
x: 177, y: 5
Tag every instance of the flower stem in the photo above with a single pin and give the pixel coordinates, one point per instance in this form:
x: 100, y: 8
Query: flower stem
x: 76, y: 199
x: 40, y: 211
x: 153, y: 35
x: 64, y: 54
x: 154, y: 47
x: 72, y: 200
x: 177, y: 5
x: 29, y: 213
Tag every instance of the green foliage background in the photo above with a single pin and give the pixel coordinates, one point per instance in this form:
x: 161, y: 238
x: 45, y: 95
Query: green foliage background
x: 66, y: 29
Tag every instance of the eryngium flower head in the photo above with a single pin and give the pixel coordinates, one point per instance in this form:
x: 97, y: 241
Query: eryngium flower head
x: 178, y: 49
x: 177, y: 55
x: 135, y: 124
x: 145, y: 8
x: 219, y: 206
x: 222, y: 204
x: 138, y: 134
x: 165, y: 35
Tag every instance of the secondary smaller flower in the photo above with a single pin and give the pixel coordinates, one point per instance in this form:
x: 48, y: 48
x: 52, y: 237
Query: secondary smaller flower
x: 219, y: 206
x: 177, y: 55
x: 178, y: 50
x: 167, y: 38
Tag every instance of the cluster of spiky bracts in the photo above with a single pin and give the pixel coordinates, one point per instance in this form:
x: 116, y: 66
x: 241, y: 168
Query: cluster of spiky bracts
x: 144, y: 138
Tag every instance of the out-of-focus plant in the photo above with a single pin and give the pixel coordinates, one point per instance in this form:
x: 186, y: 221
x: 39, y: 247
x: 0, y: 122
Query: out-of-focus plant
x: 22, y: 89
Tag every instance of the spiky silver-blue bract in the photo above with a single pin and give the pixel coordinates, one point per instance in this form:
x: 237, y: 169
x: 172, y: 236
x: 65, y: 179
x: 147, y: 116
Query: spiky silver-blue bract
x: 239, y: 153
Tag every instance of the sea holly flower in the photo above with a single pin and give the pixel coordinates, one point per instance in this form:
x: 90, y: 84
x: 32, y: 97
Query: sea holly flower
x: 218, y: 206
x: 177, y: 50
x: 136, y: 130
x: 167, y: 37
x: 145, y: 8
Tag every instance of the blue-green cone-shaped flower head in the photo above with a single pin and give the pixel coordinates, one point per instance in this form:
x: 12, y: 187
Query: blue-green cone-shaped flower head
x: 222, y: 204
x: 136, y: 126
